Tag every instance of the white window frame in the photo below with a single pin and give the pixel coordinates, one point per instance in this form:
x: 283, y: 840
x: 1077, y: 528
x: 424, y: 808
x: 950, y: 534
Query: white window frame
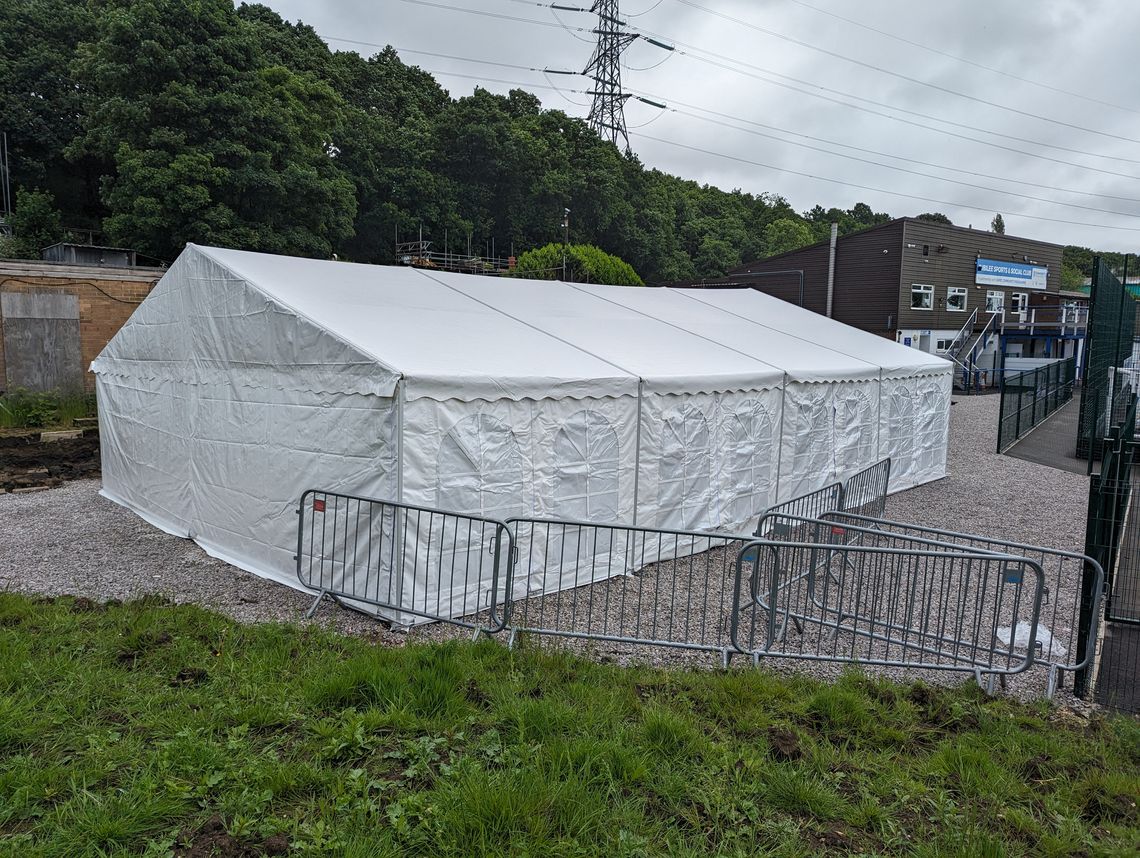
x: 952, y: 291
x: 922, y: 289
x: 1019, y: 304
x: 941, y: 346
x: 990, y: 295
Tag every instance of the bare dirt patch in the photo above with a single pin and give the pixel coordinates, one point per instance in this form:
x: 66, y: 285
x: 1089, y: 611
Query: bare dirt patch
x: 27, y: 462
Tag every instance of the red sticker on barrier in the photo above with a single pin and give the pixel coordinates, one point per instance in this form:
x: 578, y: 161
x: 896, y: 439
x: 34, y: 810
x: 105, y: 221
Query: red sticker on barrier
x: 318, y: 506
x: 837, y: 531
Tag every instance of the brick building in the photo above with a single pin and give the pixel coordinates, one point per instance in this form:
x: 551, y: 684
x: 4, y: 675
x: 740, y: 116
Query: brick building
x: 55, y: 318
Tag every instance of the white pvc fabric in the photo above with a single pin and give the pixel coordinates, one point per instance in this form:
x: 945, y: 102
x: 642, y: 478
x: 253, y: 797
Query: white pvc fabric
x: 245, y: 379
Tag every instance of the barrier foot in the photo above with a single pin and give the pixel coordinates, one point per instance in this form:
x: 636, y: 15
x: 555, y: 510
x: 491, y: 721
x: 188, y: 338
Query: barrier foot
x: 1051, y: 685
x: 475, y: 632
x: 511, y: 640
x: 755, y: 659
x: 316, y: 604
x: 726, y: 658
x: 989, y: 686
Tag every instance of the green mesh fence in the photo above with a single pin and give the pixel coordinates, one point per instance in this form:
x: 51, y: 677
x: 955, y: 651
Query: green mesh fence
x: 1028, y: 398
x: 1112, y: 317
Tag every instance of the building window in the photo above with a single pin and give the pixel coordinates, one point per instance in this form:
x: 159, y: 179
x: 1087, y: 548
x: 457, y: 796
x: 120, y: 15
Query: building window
x: 995, y: 301
x: 921, y: 297
x: 956, y: 299
x: 926, y: 250
x: 942, y: 346
x: 1018, y: 302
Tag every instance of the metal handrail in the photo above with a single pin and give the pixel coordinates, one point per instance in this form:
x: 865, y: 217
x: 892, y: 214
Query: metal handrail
x: 962, y: 337
x: 980, y: 341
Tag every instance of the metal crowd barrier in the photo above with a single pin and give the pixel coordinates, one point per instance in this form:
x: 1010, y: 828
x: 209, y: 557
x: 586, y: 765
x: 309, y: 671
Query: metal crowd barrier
x: 1064, y: 571
x: 907, y: 607
x: 865, y: 493
x: 811, y: 505
x: 408, y: 562
x: 820, y: 580
x: 652, y: 587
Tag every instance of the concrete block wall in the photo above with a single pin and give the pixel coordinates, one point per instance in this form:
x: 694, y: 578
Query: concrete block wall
x: 107, y: 297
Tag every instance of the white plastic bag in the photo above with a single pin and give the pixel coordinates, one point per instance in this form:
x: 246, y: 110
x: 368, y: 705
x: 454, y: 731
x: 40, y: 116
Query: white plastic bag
x: 1046, y: 646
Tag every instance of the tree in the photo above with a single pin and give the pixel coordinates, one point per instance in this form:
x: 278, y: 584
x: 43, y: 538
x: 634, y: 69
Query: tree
x: 998, y: 224
x: 35, y: 223
x: 208, y: 143
x: 165, y: 122
x: 786, y: 234
x: 584, y: 264
x: 935, y: 217
x: 857, y: 218
x: 42, y: 106
x: 1071, y: 278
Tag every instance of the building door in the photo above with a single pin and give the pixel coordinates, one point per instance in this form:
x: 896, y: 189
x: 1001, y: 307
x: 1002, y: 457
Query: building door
x: 1019, y: 305
x: 41, y: 341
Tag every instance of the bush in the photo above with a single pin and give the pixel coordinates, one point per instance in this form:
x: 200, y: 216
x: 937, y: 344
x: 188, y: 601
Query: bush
x: 584, y: 264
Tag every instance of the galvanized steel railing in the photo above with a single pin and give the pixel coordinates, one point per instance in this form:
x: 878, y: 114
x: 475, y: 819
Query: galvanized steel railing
x: 918, y: 608
x: 411, y: 563
x: 833, y: 584
x: 634, y: 585
x: 1066, y: 650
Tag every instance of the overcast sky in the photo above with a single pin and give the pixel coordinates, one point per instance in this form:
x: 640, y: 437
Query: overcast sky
x: 1041, y: 50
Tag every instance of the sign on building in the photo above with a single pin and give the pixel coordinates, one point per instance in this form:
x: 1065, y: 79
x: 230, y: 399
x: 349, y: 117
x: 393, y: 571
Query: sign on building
x: 991, y: 272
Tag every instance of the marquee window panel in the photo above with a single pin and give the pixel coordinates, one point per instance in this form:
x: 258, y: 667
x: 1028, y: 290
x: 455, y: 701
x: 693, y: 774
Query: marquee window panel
x: 586, y: 471
x: 685, y: 471
x: 480, y: 468
x: 749, y: 461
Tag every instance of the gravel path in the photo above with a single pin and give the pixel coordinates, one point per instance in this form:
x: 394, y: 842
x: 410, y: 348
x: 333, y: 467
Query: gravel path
x: 996, y: 496
x: 71, y: 541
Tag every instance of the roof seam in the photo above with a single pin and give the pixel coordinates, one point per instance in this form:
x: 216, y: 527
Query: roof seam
x: 785, y: 333
x: 677, y: 327
x: 533, y: 327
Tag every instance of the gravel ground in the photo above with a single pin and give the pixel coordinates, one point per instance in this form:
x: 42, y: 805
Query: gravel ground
x: 71, y: 541
x: 997, y: 496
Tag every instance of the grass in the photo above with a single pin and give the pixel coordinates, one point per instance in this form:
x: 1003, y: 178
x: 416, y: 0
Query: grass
x: 149, y: 729
x: 24, y: 409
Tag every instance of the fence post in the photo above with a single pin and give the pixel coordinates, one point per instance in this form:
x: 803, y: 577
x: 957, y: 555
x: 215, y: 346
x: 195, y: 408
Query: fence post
x: 1001, y: 417
x: 1036, y: 386
x: 1017, y: 422
x: 1088, y: 597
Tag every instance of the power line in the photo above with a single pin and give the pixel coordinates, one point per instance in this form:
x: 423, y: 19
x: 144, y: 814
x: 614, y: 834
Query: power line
x: 874, y: 189
x: 818, y: 140
x: 906, y: 159
x: 784, y: 37
x: 645, y: 11
x: 960, y: 59
x: 908, y: 171
x: 843, y: 182
x: 914, y: 124
x: 721, y: 61
x: 546, y: 72
x: 759, y: 74
x: 607, y: 112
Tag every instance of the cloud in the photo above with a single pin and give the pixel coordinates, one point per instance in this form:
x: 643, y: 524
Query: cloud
x: 1077, y: 45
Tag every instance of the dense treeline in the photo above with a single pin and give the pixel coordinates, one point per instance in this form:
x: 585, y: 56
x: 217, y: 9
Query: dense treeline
x: 158, y: 122
x: 162, y: 121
